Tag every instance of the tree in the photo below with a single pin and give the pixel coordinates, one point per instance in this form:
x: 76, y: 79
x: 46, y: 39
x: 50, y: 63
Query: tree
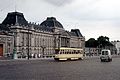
x: 103, y: 41
x: 91, y: 43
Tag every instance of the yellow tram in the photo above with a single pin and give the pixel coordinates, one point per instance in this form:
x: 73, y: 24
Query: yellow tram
x: 68, y: 53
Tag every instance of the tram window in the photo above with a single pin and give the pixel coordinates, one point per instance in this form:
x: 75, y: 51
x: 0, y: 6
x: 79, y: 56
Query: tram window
x: 60, y: 52
x: 65, y: 52
x: 76, y: 52
x: 72, y: 52
x: 69, y: 52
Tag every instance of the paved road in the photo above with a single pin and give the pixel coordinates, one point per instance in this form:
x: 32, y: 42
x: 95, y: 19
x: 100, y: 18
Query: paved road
x: 87, y: 69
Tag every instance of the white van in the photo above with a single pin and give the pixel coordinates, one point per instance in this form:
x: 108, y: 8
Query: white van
x: 105, y: 55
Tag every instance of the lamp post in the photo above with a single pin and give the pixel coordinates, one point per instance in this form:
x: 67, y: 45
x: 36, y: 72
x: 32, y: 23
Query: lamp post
x: 14, y: 50
x: 28, y: 46
x: 99, y: 48
x: 59, y: 41
x: 43, y: 49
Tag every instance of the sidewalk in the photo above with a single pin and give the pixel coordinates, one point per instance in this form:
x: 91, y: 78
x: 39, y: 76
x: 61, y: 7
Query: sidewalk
x: 4, y: 58
x: 20, y: 59
x: 114, y: 56
x: 91, y: 56
x: 10, y: 59
x: 34, y: 59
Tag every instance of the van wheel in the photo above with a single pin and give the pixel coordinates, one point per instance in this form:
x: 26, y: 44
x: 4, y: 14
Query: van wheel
x: 102, y: 60
x: 110, y: 59
x: 81, y: 58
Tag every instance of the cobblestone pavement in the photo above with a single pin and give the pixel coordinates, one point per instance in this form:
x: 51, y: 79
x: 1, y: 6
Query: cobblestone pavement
x: 48, y: 69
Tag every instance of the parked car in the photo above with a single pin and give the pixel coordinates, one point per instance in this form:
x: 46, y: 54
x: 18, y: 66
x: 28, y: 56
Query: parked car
x: 105, y: 55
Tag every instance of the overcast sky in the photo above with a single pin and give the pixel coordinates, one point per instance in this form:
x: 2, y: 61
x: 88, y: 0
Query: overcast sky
x: 93, y: 17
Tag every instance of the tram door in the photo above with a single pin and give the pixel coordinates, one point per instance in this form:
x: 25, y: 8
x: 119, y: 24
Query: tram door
x: 1, y: 49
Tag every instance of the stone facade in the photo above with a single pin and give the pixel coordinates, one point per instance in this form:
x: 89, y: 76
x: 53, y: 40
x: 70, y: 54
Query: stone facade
x: 6, y: 44
x: 117, y: 46
x: 89, y: 51
x: 38, y: 40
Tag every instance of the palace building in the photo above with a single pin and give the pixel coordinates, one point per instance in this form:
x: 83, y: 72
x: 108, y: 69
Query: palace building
x: 32, y: 40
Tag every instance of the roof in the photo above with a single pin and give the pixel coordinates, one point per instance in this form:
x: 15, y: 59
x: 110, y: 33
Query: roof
x: 14, y: 18
x: 76, y: 32
x: 17, y: 18
x: 38, y: 27
x: 4, y: 28
x: 51, y: 22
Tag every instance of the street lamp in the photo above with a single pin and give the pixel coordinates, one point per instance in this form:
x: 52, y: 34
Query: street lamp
x: 28, y: 45
x: 59, y: 41
x: 43, y: 48
x: 99, y: 48
x: 14, y: 50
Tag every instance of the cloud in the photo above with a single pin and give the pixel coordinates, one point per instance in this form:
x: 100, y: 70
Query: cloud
x: 94, y: 10
x: 92, y: 17
x: 94, y: 29
x: 59, y: 2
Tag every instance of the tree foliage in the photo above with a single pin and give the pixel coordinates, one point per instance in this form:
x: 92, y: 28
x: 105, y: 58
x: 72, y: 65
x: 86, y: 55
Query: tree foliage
x: 102, y: 41
x: 91, y: 43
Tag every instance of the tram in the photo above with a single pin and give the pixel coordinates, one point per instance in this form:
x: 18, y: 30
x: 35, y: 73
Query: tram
x: 68, y: 53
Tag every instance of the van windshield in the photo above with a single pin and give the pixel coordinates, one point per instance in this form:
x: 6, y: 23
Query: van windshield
x: 104, y: 52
